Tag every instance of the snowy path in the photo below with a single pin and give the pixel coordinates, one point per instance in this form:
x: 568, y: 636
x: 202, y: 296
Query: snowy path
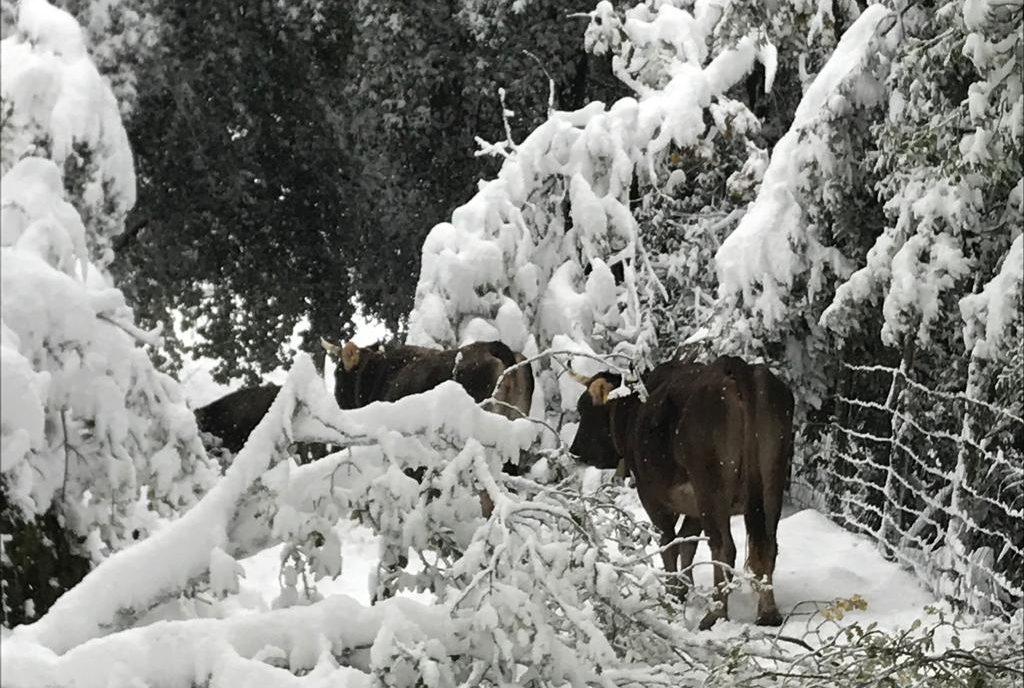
x: 818, y: 561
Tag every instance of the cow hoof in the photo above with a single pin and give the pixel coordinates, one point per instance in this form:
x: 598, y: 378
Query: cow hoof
x: 709, y: 620
x: 769, y: 617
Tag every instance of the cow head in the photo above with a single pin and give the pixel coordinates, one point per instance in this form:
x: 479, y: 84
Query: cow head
x: 349, y: 359
x: 594, y: 444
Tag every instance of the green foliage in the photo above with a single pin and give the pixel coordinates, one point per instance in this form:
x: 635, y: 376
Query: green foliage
x: 292, y: 158
x: 39, y: 559
x: 240, y: 221
x: 938, y: 651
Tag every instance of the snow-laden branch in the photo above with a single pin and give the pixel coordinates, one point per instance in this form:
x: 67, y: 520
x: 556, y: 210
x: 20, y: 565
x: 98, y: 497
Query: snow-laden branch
x: 134, y: 580
x: 769, y: 248
x: 988, y: 315
x: 238, y: 514
x: 320, y: 637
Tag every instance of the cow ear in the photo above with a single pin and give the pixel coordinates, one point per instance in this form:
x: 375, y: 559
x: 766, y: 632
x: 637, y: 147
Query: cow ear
x: 332, y: 349
x: 599, y: 390
x: 349, y: 356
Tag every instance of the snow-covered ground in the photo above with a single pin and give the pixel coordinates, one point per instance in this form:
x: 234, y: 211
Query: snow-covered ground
x: 818, y: 561
x: 359, y: 558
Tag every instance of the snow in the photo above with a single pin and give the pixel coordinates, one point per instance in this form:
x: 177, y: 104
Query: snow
x: 142, y: 573
x: 988, y: 314
x: 265, y: 580
x: 22, y: 403
x: 181, y: 653
x: 763, y: 249
x: 922, y: 268
x: 818, y: 561
x: 977, y: 13
x: 58, y: 97
x: 360, y: 551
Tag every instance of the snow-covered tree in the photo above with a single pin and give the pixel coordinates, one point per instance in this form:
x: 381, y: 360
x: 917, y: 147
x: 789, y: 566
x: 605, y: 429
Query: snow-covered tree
x: 549, y: 252
x: 866, y: 183
x: 934, y: 111
x: 93, y: 434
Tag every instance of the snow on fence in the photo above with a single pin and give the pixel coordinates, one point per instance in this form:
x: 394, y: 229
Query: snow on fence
x: 936, y: 478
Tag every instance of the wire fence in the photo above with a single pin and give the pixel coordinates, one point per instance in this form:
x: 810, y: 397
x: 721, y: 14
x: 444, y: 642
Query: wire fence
x: 936, y: 478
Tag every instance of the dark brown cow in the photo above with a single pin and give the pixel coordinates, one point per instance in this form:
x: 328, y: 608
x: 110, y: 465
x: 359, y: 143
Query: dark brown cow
x: 233, y: 417
x: 710, y: 442
x: 368, y: 374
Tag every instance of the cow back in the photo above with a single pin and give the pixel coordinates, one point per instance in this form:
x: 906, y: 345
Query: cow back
x: 413, y: 370
x: 398, y: 371
x: 380, y: 375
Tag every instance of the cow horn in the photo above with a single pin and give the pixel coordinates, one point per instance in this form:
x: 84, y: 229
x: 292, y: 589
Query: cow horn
x: 349, y: 356
x: 599, y: 390
x: 582, y: 379
x: 332, y: 349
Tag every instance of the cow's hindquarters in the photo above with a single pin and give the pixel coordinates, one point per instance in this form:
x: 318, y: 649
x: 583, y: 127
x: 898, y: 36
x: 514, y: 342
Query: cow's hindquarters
x: 711, y: 448
x: 771, y: 446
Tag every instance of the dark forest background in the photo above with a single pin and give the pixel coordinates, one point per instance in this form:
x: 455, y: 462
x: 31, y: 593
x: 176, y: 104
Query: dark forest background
x: 291, y: 157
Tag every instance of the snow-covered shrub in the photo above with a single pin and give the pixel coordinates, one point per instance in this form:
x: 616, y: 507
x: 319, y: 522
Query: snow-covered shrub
x: 121, y: 37
x: 781, y: 261
x: 91, y: 430
x: 56, y: 105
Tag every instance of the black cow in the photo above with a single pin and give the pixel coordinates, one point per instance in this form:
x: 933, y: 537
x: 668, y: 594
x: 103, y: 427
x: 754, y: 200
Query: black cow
x: 233, y: 417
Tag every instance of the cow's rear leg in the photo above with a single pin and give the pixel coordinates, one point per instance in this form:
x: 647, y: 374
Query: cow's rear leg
x: 764, y: 507
x: 665, y: 522
x: 723, y: 551
x: 691, y: 528
x: 762, y: 565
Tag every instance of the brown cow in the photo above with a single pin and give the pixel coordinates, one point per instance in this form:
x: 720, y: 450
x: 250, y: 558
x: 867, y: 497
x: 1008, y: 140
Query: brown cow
x: 368, y: 374
x: 710, y: 442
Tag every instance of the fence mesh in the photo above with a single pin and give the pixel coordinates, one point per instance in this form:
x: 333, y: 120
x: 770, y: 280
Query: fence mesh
x: 936, y: 478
